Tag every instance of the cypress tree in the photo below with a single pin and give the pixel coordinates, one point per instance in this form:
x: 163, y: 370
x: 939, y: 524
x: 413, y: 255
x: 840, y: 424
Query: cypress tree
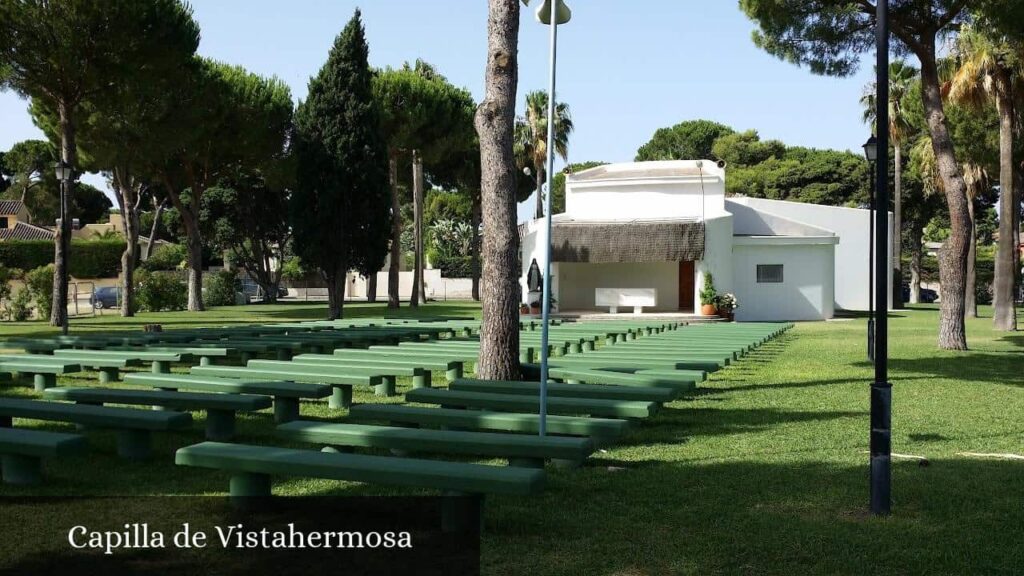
x: 341, y: 204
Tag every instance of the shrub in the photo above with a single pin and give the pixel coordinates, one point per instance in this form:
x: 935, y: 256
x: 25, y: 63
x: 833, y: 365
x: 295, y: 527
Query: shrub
x: 454, y: 266
x: 167, y: 257
x: 20, y: 307
x: 708, y: 294
x: 220, y: 287
x: 39, y: 283
x: 159, y: 291
x: 294, y: 270
x: 88, y: 258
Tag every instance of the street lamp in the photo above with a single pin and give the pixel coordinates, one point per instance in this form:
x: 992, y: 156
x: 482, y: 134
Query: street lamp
x: 64, y: 172
x: 552, y: 13
x: 871, y: 153
x: 881, y: 388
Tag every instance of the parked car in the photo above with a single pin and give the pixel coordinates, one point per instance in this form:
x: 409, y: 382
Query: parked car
x: 105, y: 297
x: 928, y: 296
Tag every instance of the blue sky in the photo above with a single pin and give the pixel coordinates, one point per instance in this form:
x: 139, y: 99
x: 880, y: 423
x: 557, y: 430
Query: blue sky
x: 625, y: 68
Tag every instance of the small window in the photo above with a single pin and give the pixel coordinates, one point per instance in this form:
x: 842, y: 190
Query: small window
x: 3, y: 223
x: 769, y: 273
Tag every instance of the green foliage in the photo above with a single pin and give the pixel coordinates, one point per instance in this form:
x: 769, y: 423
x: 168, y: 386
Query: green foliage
x: 294, y: 270
x: 827, y: 177
x: 6, y: 275
x: 746, y: 149
x: 39, y: 284
x: 219, y: 289
x: 341, y: 203
x: 20, y: 308
x: 690, y: 140
x: 32, y: 180
x: 166, y: 257
x: 160, y: 291
x: 441, y: 205
x: 89, y: 258
x: 708, y: 294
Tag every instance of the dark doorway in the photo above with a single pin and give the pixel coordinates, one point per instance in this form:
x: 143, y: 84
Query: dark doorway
x: 687, y: 281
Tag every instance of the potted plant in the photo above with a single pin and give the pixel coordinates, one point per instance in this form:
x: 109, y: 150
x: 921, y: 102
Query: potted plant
x: 535, y: 308
x: 727, y: 305
x: 524, y: 309
x: 708, y: 297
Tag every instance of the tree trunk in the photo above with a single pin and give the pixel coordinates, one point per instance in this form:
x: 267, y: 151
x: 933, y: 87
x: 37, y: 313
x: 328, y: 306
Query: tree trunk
x: 917, y: 251
x: 953, y: 259
x: 539, y: 179
x: 396, y: 234
x: 62, y: 238
x: 1018, y: 190
x: 495, y: 117
x: 474, y: 247
x: 897, y: 232
x: 153, y: 230
x: 1005, y: 314
x: 417, y: 224
x: 193, y: 245
x: 127, y: 199
x: 336, y: 291
x: 371, y: 287
x: 971, y: 291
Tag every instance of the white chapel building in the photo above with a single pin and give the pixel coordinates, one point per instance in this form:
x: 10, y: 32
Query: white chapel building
x: 654, y: 229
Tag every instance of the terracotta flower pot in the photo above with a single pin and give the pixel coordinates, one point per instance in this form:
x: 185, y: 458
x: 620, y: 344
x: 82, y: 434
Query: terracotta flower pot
x: 708, y: 309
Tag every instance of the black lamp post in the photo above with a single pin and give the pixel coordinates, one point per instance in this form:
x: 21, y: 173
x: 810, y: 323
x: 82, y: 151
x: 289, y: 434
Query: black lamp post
x: 871, y: 153
x: 881, y: 388
x: 64, y: 173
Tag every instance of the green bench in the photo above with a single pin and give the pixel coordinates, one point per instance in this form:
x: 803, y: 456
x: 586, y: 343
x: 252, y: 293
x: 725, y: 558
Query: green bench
x: 682, y: 384
x: 602, y: 431
x: 452, y: 367
x: 108, y: 368
x: 286, y: 395
x: 355, y: 372
x: 220, y: 408
x: 43, y: 369
x: 603, y: 391
x: 252, y: 467
x: 520, y: 403
x: 626, y: 363
x: 134, y: 427
x: 206, y: 354
x: 22, y: 451
x: 340, y: 384
x: 519, y: 449
x: 161, y: 361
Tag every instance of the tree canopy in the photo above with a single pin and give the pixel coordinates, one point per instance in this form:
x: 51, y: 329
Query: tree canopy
x: 690, y: 140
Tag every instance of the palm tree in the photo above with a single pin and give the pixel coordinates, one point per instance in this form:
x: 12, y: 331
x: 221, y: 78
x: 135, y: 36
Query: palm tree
x: 901, y: 77
x: 977, y: 180
x: 987, y: 70
x: 531, y: 138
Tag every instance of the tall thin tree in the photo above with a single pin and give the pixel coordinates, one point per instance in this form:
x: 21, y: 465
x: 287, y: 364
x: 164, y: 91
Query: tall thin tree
x: 531, y: 144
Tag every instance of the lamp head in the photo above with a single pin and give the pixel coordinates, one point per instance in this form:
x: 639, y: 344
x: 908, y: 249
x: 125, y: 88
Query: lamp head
x: 63, y: 171
x: 562, y: 12
x: 871, y: 149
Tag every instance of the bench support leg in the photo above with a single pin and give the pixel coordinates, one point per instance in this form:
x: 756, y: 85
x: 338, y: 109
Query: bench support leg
x: 43, y: 381
x: 205, y: 361
x: 523, y: 462
x: 248, y: 485
x: 108, y: 375
x: 285, y: 409
x: 20, y: 469
x: 6, y: 421
x: 341, y: 397
x: 588, y: 346
x: 575, y: 348
x: 386, y: 387
x: 161, y: 367
x: 421, y: 380
x: 245, y: 357
x: 453, y: 373
x: 567, y: 464
x: 220, y: 424
x: 133, y: 444
x: 284, y: 354
x: 461, y: 512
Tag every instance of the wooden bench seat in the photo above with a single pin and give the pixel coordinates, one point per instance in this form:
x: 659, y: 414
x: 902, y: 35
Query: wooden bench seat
x: 21, y: 452
x: 134, y: 427
x: 220, y: 408
x: 520, y: 403
x: 602, y: 431
x: 519, y: 449
x: 252, y: 467
x: 603, y: 391
x: 286, y: 394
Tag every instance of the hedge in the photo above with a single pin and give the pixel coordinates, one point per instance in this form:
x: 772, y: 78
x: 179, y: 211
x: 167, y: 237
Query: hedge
x: 89, y: 258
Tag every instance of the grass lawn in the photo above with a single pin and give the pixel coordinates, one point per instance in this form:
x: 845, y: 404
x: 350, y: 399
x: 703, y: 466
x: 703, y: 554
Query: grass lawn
x: 763, y: 472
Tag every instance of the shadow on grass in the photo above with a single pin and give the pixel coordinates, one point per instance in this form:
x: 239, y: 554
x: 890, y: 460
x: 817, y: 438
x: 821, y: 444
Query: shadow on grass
x: 1002, y: 368
x: 760, y: 518
x: 678, y: 425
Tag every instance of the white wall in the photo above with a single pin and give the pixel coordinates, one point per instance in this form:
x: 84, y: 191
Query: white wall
x: 717, y: 257
x: 851, y: 255
x: 432, y: 278
x: 807, y: 290
x: 577, y: 281
x: 626, y: 193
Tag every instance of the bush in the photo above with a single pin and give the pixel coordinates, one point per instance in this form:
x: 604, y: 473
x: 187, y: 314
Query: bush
x: 454, y: 266
x: 219, y: 288
x: 294, y: 270
x: 39, y: 284
x: 167, y: 257
x: 20, y: 307
x: 88, y: 258
x: 159, y: 291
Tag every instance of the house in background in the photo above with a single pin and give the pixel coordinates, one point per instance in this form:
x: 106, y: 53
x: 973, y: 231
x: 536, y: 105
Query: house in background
x: 14, y: 223
x: 114, y: 226
x: 656, y: 229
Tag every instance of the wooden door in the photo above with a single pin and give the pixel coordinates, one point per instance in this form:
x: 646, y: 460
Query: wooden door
x: 687, y: 280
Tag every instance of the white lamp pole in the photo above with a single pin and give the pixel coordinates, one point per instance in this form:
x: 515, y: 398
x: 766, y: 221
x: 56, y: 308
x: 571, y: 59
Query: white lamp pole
x: 551, y: 13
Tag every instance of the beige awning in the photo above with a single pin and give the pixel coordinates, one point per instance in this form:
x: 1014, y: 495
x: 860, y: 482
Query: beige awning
x: 629, y: 241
